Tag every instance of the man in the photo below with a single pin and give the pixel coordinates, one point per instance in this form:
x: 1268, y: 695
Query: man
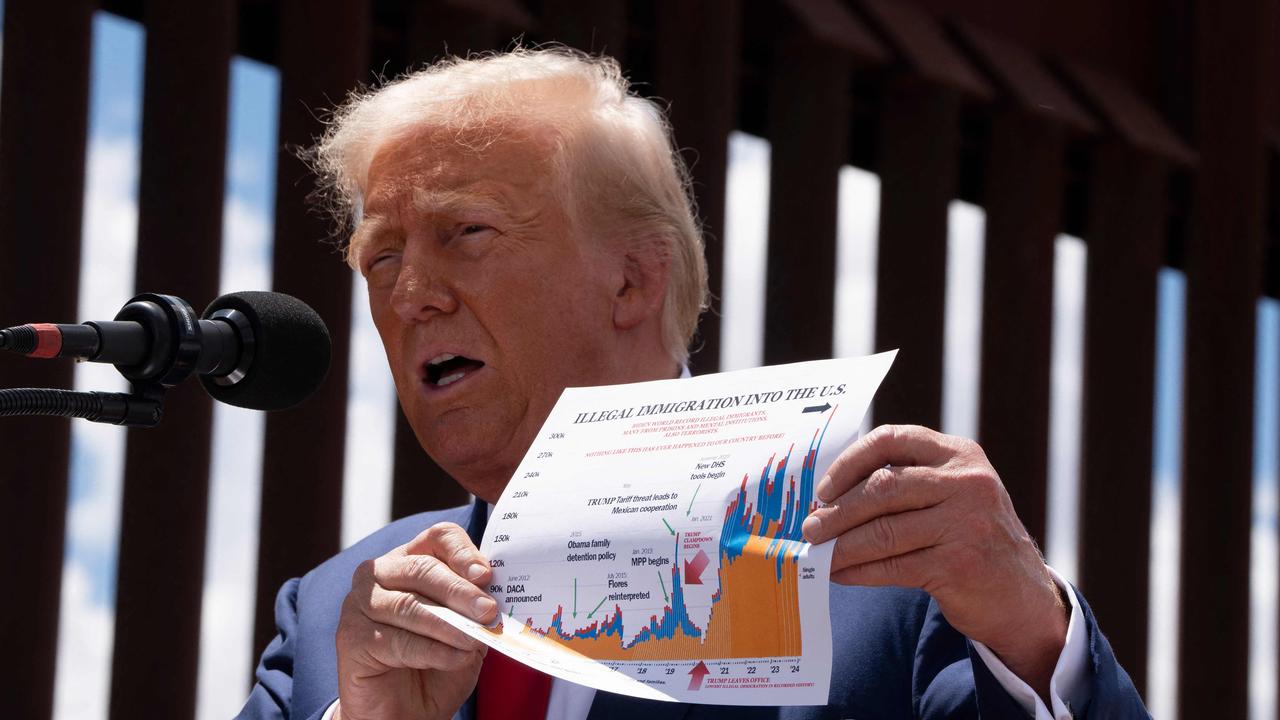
x: 525, y: 226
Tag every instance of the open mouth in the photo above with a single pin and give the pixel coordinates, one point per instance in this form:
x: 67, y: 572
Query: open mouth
x: 446, y: 369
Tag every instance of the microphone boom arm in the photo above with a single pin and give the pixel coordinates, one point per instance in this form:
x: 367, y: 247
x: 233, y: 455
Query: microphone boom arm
x: 142, y: 408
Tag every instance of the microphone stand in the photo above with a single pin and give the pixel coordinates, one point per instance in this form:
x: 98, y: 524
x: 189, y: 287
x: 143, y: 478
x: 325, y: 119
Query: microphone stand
x: 143, y: 407
x: 174, y: 335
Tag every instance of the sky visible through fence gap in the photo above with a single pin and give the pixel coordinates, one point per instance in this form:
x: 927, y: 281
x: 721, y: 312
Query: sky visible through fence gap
x: 1066, y: 371
x: 235, y: 479
x: 746, y: 229
x: 371, y: 414
x: 109, y: 237
x: 1263, y: 556
x: 110, y: 222
x: 962, y: 318
x: 857, y: 240
x: 1162, y: 642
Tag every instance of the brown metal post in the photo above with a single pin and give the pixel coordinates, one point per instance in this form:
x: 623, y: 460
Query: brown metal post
x: 1023, y: 199
x: 1126, y: 234
x: 436, y: 29
x: 919, y: 158
x: 599, y: 26
x: 813, y: 46
x: 42, y: 160
x: 323, y: 53
x: 697, y: 47
x: 809, y: 130
x: 1234, y: 68
x: 166, y: 478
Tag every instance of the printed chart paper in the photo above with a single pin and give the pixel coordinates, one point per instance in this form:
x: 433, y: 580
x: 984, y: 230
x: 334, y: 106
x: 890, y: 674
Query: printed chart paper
x: 650, y: 545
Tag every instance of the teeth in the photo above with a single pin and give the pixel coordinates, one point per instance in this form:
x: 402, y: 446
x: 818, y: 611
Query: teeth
x: 445, y: 357
x: 450, y: 379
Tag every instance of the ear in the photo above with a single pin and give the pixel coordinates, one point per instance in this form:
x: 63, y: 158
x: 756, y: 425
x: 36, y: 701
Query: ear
x: 642, y: 283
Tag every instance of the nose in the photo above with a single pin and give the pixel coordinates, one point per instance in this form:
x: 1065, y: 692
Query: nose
x: 422, y: 288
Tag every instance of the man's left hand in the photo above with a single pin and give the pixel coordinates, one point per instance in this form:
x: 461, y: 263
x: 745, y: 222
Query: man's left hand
x: 911, y: 507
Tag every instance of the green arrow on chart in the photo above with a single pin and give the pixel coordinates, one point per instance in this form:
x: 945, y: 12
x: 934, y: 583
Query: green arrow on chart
x: 575, y: 597
x: 597, y: 607
x: 664, y: 522
x: 695, y: 497
x: 665, y: 596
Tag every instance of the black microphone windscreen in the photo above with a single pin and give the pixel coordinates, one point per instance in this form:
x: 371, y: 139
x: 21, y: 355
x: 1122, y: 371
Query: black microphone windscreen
x: 290, y: 353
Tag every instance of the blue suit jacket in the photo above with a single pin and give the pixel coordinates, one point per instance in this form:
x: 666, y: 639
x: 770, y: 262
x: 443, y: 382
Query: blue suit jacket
x: 894, y: 654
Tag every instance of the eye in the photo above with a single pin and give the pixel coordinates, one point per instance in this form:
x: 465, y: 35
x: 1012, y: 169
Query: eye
x: 471, y: 237
x: 473, y: 229
x: 380, y: 261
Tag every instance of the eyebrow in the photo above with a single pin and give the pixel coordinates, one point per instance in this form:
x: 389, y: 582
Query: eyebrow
x: 369, y: 229
x: 434, y: 202
x: 428, y: 202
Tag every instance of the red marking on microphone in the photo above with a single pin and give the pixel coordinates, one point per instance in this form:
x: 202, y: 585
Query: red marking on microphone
x: 48, y: 340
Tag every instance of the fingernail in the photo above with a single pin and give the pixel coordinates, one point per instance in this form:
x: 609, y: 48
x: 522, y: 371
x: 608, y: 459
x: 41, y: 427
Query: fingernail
x: 810, y: 527
x: 482, y: 606
x: 476, y: 571
x: 821, y: 489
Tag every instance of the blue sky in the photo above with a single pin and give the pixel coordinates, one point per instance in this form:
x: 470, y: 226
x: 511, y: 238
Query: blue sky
x: 110, y: 226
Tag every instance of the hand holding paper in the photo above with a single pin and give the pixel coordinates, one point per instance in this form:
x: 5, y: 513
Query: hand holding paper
x: 398, y: 659
x: 911, y: 507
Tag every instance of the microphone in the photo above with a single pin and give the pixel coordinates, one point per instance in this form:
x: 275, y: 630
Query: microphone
x: 257, y: 350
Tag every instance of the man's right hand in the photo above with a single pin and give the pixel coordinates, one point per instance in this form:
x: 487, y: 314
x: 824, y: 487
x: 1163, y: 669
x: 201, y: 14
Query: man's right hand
x: 395, y: 658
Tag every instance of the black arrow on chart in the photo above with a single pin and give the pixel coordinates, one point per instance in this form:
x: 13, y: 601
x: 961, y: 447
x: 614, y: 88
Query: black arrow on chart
x: 817, y: 408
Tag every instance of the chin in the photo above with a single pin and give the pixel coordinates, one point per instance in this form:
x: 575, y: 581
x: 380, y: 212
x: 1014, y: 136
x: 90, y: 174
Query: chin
x: 471, y: 450
x: 460, y: 458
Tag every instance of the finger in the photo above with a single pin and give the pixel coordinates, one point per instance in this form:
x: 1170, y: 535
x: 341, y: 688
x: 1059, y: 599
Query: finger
x: 410, y: 611
x: 398, y: 648
x: 885, y: 445
x: 908, y: 570
x: 887, y: 490
x: 450, y: 543
x: 433, y: 579
x: 889, y: 535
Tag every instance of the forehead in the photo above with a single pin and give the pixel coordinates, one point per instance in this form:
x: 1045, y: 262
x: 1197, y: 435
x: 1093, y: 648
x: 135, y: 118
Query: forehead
x: 448, y: 173
x: 447, y: 166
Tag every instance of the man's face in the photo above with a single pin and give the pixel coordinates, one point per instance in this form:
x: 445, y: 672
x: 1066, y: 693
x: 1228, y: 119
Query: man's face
x: 486, y: 302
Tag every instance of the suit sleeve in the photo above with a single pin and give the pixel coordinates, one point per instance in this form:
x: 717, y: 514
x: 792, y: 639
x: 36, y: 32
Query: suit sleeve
x: 272, y: 695
x: 951, y: 680
x: 942, y: 676
x: 1109, y: 695
x: 1112, y: 695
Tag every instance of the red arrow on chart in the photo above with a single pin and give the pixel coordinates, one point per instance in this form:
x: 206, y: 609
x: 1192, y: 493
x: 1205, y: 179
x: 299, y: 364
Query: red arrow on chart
x: 698, y: 672
x: 693, y: 570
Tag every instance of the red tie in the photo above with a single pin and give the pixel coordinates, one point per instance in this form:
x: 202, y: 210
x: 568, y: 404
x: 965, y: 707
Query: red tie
x: 508, y: 690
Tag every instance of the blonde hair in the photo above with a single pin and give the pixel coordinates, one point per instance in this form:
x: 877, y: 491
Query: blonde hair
x: 615, y: 168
